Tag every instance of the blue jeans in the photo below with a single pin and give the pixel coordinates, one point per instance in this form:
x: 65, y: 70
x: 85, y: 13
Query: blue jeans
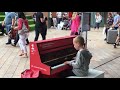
x: 8, y: 27
x: 97, y: 25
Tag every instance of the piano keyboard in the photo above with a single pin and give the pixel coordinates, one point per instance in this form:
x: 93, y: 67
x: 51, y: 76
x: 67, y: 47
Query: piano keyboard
x: 58, y: 66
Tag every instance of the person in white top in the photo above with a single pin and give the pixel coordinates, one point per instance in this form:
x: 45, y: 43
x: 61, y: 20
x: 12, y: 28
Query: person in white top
x: 98, y: 19
x: 59, y: 17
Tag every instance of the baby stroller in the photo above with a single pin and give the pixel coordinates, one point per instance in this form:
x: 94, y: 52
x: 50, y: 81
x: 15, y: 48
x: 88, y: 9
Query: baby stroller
x: 67, y: 24
x: 12, y: 35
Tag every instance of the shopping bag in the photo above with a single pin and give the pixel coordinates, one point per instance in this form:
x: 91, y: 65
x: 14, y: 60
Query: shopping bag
x: 28, y: 73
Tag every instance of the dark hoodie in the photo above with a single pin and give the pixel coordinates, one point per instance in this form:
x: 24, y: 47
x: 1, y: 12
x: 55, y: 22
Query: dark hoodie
x: 81, y: 63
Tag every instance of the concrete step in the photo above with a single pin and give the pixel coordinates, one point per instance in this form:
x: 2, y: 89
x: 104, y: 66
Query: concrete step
x: 2, y: 17
x: 2, y: 13
x: 30, y: 21
x: 28, y: 17
x: 32, y: 27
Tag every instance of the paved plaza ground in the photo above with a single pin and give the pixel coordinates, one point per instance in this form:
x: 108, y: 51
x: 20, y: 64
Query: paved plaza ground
x: 105, y: 57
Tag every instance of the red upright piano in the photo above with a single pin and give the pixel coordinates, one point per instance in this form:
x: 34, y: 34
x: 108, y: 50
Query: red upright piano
x: 48, y: 56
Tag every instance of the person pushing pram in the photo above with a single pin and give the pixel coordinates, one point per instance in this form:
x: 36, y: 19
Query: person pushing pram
x: 67, y: 24
x: 12, y: 34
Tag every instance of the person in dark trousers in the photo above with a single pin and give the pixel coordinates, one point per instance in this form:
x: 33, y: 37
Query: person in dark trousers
x: 40, y: 26
x: 2, y: 29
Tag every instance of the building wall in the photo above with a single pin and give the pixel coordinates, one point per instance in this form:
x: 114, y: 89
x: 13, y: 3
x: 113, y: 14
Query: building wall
x: 29, y: 13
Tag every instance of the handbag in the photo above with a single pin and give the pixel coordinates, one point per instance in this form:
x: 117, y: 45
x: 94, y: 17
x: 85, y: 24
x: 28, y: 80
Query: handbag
x: 29, y: 73
x: 23, y: 30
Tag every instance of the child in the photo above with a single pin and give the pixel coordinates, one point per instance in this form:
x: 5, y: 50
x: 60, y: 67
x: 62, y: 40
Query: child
x: 81, y: 63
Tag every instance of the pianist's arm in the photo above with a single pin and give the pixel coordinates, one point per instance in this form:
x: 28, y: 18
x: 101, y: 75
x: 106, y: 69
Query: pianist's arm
x: 77, y: 62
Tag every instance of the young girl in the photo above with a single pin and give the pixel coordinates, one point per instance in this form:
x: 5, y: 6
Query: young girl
x: 22, y: 37
x: 75, y: 23
x: 81, y: 63
x: 98, y: 19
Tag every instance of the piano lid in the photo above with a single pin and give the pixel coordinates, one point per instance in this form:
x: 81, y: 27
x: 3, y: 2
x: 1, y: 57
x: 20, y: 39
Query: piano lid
x: 55, y: 43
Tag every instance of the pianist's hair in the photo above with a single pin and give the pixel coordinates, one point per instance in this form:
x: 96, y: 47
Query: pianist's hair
x: 80, y: 40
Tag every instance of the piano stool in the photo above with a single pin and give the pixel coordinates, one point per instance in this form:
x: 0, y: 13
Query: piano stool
x: 92, y: 74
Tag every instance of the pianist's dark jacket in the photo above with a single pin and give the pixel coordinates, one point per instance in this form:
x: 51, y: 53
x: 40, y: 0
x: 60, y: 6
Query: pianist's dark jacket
x: 81, y: 63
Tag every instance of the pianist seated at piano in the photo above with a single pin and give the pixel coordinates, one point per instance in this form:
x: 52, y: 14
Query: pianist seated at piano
x: 80, y: 65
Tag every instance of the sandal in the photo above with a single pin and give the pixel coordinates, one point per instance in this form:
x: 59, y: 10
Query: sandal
x: 25, y: 56
x: 21, y: 54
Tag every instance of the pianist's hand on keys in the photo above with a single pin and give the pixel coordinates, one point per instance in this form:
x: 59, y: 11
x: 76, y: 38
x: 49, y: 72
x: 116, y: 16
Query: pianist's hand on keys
x: 67, y: 62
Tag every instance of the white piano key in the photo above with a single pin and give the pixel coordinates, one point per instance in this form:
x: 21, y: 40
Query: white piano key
x: 60, y: 65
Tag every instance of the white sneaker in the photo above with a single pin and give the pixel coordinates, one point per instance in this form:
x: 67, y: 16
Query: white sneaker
x: 5, y: 34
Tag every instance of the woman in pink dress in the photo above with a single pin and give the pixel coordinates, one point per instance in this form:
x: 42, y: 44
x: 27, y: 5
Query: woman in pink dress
x: 75, y: 23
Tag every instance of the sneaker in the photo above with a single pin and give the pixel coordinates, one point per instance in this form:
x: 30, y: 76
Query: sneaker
x: 8, y: 43
x: 105, y: 39
x: 5, y: 34
x: 114, y: 45
x: 13, y: 45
